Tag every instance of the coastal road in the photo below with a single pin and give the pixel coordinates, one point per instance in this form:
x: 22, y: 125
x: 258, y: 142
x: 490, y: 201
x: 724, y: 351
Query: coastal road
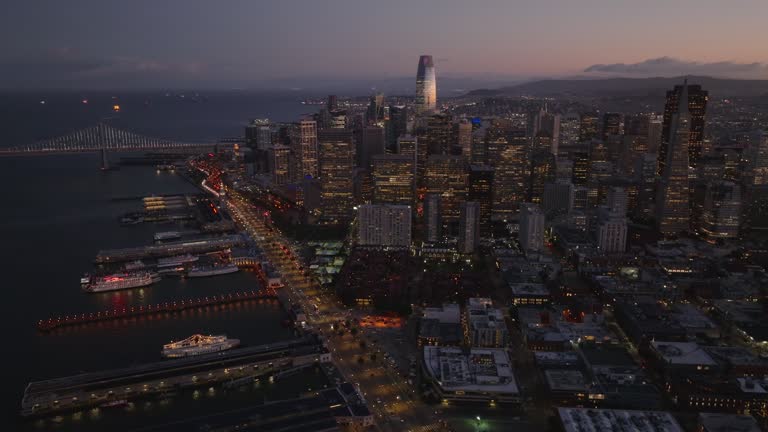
x: 394, y: 403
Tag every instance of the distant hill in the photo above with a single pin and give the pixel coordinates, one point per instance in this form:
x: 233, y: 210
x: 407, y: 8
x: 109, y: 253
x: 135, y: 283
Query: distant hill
x: 611, y: 87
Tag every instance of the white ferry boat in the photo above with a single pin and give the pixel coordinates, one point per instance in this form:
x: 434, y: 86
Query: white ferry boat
x: 120, y: 281
x: 198, y: 344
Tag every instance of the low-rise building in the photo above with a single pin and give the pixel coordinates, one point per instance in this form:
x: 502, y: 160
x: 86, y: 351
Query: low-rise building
x: 609, y: 420
x: 528, y: 293
x: 479, y: 375
x: 485, y: 325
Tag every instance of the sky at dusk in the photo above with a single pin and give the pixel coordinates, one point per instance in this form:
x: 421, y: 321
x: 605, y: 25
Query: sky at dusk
x: 224, y: 44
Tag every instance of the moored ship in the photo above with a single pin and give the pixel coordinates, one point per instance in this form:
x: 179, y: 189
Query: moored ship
x: 213, y: 270
x: 119, y: 281
x: 176, y: 261
x: 198, y: 344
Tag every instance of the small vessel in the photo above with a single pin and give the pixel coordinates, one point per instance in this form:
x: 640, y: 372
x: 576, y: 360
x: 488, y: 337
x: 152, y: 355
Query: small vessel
x: 176, y: 261
x: 198, y: 344
x: 213, y: 270
x: 167, y: 235
x: 115, y: 403
x: 120, y: 281
x: 134, y: 265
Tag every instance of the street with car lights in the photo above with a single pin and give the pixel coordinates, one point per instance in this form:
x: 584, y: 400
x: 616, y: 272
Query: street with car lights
x: 356, y: 351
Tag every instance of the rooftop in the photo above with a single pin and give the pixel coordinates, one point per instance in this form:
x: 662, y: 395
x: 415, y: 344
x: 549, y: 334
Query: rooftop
x: 718, y: 422
x: 566, y: 380
x: 447, y: 313
x: 683, y: 353
x: 481, y: 369
x: 598, y: 420
x: 528, y: 289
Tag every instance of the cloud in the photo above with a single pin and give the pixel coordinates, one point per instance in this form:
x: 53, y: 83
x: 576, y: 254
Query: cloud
x: 66, y: 67
x: 666, y: 66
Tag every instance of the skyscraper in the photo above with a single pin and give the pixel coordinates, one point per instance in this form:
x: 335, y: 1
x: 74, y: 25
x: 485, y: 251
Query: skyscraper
x: 480, y: 191
x: 722, y: 211
x: 695, y: 101
x: 370, y: 144
x: 588, y: 129
x: 531, y: 234
x: 433, y: 223
x: 279, y: 164
x: 393, y: 179
x: 611, y: 125
x: 547, y: 125
x: 469, y: 227
x: 396, y: 126
x: 447, y: 176
x: 426, y: 86
x: 304, y: 148
x: 508, y: 154
x: 258, y: 134
x: 337, y: 163
x: 463, y: 139
x: 672, y: 205
x: 439, y: 134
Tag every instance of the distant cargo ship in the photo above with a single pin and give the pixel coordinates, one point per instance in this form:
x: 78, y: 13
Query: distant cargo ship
x: 214, y: 270
x: 198, y: 344
x: 176, y: 261
x: 119, y: 281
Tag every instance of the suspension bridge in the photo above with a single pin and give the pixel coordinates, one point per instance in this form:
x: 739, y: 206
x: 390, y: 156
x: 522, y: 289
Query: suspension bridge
x: 103, y: 138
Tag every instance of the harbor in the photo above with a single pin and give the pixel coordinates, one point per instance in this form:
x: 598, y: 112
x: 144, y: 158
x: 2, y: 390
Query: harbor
x: 99, y: 388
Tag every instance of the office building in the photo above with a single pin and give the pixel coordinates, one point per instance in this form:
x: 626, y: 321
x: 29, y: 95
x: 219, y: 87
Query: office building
x: 612, y: 233
x: 280, y: 164
x: 439, y: 134
x: 463, y: 139
x: 547, y: 125
x: 426, y: 86
x: 672, y: 204
x: 558, y: 198
x: 760, y: 160
x: 370, y: 144
x: 508, y: 153
x: 447, y: 176
x: 396, y: 126
x: 393, y: 179
x: 258, y: 134
x: 337, y: 163
x: 481, y: 191
x: 384, y: 225
x: 485, y: 325
x: 589, y: 127
x: 433, y: 223
x: 375, y: 112
x: 721, y: 215
x: 611, y: 125
x: 542, y: 172
x: 303, y: 137
x: 531, y: 233
x: 693, y: 100
x: 617, y: 201
x: 469, y: 227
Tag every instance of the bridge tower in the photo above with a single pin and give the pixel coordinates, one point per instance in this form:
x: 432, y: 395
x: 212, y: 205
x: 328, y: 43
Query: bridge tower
x: 104, y: 159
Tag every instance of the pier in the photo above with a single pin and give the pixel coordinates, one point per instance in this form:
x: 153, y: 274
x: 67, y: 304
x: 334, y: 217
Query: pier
x: 97, y: 388
x: 168, y: 249
x: 162, y: 308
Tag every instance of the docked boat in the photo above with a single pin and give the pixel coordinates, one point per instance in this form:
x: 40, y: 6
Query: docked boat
x: 120, y: 281
x: 167, y: 235
x: 213, y: 270
x: 115, y: 403
x: 176, y: 261
x: 134, y: 265
x: 198, y: 344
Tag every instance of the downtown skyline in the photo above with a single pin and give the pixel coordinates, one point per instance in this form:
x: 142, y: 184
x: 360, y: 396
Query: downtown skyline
x: 143, y: 45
